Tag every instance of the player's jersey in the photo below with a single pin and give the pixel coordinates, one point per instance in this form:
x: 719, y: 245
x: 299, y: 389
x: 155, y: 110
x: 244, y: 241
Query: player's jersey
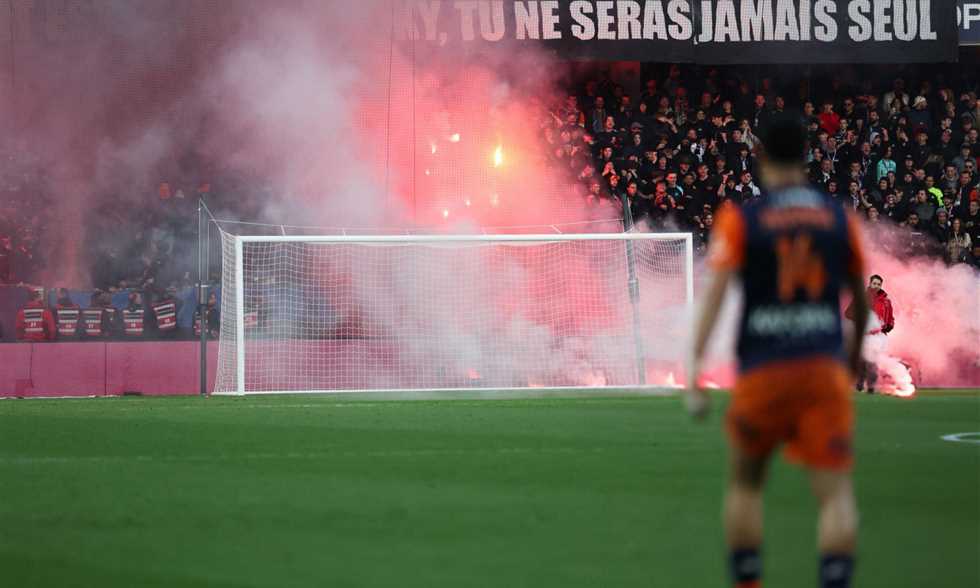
x: 793, y: 251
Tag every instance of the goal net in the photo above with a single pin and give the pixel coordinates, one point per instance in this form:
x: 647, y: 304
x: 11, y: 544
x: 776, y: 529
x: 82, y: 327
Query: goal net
x: 411, y: 313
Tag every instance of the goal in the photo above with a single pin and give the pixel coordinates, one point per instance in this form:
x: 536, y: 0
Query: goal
x: 441, y: 312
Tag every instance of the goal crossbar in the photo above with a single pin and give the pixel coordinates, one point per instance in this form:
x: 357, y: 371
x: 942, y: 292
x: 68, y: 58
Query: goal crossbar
x: 418, y: 239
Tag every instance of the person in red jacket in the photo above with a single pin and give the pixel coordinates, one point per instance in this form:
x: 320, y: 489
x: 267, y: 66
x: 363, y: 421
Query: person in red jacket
x: 35, y: 322
x: 881, y: 304
x: 829, y: 120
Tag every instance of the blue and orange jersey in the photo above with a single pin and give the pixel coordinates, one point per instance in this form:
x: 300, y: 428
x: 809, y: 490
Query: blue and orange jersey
x: 793, y: 250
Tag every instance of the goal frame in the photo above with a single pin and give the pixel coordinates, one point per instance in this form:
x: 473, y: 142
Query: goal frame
x: 241, y: 240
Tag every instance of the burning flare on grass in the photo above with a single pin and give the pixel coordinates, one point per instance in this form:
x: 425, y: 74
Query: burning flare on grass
x: 894, y: 378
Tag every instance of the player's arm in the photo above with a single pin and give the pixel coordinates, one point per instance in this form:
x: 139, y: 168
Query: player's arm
x: 855, y: 282
x: 861, y: 312
x: 697, y: 399
x: 726, y: 257
x: 889, y: 317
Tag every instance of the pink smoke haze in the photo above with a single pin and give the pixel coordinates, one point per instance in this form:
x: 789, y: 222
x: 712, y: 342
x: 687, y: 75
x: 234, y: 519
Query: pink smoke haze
x: 325, y: 121
x: 937, y: 313
x: 322, y: 117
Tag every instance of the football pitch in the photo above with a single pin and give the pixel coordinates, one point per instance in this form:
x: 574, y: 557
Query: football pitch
x: 613, y: 491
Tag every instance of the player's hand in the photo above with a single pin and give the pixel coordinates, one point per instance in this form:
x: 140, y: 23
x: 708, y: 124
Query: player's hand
x: 698, y: 402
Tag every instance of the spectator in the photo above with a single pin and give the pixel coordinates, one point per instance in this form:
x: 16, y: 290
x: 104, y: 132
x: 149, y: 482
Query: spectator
x: 672, y: 188
x: 641, y: 205
x: 965, y: 187
x: 958, y: 243
x: 702, y: 233
x: 663, y: 205
x: 833, y: 189
x: 912, y: 222
x: 934, y: 193
x: 879, y: 194
x: 924, y: 208
x: 825, y: 174
x: 886, y: 164
x: 939, y: 227
x: 746, y: 188
x: 854, y: 197
x: 829, y: 120
x: 598, y: 115
x: 896, y: 93
x: 760, y: 112
x: 964, y: 155
x: 949, y: 182
x: 919, y: 118
x: 894, y: 208
x: 971, y: 219
x: 726, y: 189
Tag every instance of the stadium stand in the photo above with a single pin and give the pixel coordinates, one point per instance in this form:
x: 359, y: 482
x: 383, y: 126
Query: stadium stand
x: 899, y: 148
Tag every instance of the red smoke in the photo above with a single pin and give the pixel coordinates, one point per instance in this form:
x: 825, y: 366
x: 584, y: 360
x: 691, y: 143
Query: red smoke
x: 937, y: 312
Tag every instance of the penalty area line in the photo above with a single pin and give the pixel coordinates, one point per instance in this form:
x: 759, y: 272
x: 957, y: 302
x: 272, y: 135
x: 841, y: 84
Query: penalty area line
x: 393, y: 453
x: 962, y: 437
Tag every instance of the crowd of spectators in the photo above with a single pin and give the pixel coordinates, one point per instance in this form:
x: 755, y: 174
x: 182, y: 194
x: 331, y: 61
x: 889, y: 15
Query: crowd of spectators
x: 149, y: 246
x: 24, y: 206
x: 901, y: 150
x: 142, y: 244
x: 898, y: 151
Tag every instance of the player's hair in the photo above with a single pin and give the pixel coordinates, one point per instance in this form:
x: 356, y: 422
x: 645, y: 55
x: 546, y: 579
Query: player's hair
x: 784, y: 139
x: 876, y: 277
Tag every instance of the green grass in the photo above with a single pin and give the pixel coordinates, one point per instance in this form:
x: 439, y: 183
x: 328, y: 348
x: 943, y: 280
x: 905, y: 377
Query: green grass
x: 330, y: 491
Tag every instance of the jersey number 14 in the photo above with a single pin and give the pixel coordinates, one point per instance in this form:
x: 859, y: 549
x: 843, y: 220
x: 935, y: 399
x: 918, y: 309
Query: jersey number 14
x: 800, y: 267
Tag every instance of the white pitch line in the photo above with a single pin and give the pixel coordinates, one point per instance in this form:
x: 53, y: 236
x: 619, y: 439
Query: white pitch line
x: 43, y: 460
x: 390, y: 404
x: 959, y: 438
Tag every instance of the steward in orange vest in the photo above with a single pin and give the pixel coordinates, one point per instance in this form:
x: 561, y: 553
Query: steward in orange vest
x: 67, y: 316
x: 35, y: 322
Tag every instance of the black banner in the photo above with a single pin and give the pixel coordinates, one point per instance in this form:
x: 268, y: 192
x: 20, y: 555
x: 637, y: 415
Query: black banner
x: 968, y: 17
x: 826, y: 31
x: 594, y: 30
x: 703, y: 31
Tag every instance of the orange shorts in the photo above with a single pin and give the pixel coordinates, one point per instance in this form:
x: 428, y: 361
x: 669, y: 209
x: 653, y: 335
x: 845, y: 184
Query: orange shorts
x: 803, y: 403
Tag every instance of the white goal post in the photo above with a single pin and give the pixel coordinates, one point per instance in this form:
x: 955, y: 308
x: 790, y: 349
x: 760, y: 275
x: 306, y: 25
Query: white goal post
x: 403, y: 313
